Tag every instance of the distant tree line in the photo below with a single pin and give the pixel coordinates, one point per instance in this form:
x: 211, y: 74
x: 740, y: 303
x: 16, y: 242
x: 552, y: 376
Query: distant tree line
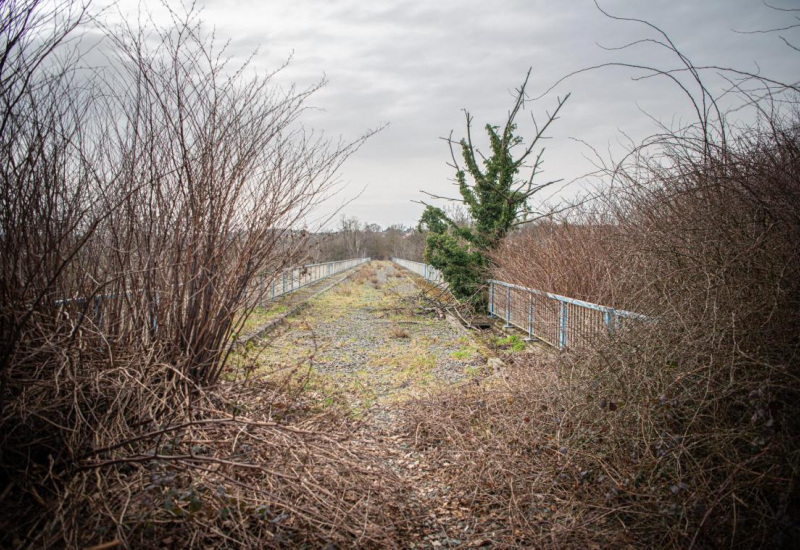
x: 353, y: 238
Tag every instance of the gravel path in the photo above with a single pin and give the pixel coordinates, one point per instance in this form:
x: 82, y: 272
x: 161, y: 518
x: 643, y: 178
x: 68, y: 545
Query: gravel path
x: 271, y: 310
x: 367, y: 345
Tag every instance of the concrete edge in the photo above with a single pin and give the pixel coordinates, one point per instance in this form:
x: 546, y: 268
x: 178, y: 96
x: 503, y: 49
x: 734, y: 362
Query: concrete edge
x: 280, y: 319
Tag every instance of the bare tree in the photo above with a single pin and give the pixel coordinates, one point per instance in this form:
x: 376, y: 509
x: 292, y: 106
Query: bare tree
x: 350, y: 231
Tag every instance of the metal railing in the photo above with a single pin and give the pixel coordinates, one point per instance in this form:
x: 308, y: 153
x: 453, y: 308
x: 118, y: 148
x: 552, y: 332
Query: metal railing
x: 98, y: 307
x: 427, y: 272
x: 557, y: 320
x: 296, y: 278
x: 285, y: 282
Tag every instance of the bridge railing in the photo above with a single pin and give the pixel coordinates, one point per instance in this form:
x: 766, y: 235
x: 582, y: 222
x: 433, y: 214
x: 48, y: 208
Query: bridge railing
x: 267, y: 286
x: 427, y: 272
x: 295, y: 278
x: 557, y: 320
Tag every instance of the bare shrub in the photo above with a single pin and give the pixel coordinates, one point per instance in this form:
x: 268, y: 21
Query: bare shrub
x: 365, y: 274
x: 46, y: 176
x: 575, y: 256
x: 681, y: 431
x: 507, y: 451
x: 345, y: 290
x: 219, y: 156
x: 135, y: 213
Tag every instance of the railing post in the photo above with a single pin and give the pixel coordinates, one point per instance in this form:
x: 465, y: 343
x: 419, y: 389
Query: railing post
x: 610, y: 320
x: 154, y: 313
x: 508, y: 307
x: 491, y: 299
x: 530, y: 316
x: 562, y: 337
x: 98, y: 315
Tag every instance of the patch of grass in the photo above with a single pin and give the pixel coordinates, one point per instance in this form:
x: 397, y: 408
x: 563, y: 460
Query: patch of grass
x: 513, y: 343
x: 476, y: 371
x: 261, y: 315
x: 350, y: 393
x: 404, y: 364
x: 337, y: 303
x: 465, y: 353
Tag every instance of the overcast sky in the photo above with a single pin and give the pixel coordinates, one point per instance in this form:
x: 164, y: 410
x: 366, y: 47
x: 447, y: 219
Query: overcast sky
x: 417, y: 64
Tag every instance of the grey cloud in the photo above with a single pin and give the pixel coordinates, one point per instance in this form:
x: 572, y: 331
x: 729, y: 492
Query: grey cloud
x: 416, y: 64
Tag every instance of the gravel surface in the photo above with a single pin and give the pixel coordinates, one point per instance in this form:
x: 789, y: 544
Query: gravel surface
x: 369, y: 345
x: 366, y: 341
x: 270, y: 310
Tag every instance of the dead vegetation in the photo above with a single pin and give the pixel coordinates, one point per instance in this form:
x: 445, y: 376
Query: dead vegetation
x: 226, y: 467
x: 138, y: 208
x: 367, y: 274
x: 125, y: 261
x: 396, y: 331
x: 677, y: 432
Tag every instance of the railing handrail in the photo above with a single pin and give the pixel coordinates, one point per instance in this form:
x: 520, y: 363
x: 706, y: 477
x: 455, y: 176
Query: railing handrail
x: 564, y: 323
x: 573, y: 301
x: 331, y: 262
x: 101, y: 297
x: 337, y: 267
x: 426, y: 271
x: 334, y: 268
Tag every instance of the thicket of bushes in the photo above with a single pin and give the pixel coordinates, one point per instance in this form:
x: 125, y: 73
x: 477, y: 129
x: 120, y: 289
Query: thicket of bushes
x: 679, y: 432
x: 138, y: 202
